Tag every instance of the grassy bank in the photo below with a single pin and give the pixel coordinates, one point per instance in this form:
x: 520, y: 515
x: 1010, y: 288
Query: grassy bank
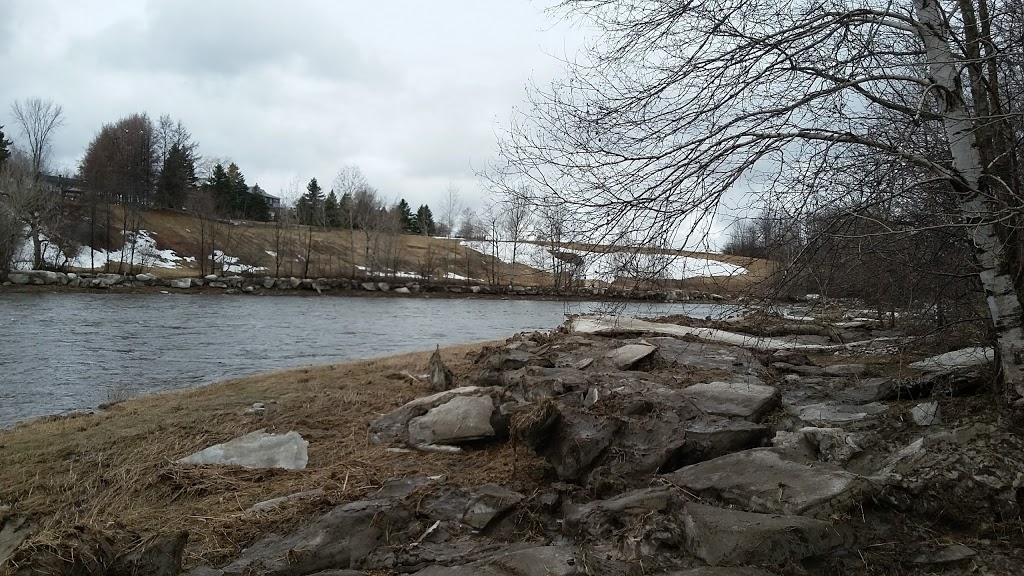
x: 116, y: 468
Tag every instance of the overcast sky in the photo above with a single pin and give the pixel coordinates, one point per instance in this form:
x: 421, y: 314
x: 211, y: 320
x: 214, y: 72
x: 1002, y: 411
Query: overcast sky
x: 411, y: 91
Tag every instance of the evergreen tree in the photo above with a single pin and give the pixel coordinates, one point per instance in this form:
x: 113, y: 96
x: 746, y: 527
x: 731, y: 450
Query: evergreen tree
x: 406, y: 218
x: 425, y: 221
x: 345, y: 211
x: 332, y: 211
x: 257, y: 207
x: 310, y: 207
x: 5, y: 150
x: 177, y: 175
x: 219, y: 186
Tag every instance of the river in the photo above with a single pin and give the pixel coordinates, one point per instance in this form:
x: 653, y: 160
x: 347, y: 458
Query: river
x: 71, y: 352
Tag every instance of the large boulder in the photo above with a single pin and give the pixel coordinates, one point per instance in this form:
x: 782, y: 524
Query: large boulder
x: 749, y: 401
x: 19, y: 278
x: 771, y: 480
x: 461, y: 419
x: 730, y: 537
x: 256, y: 450
x: 394, y: 427
x: 629, y: 356
x: 181, y: 283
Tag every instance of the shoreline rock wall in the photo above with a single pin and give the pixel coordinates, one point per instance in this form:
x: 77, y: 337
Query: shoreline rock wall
x: 260, y: 284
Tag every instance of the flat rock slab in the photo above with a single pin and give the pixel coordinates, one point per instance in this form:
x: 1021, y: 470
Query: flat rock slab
x: 628, y: 356
x: 539, y: 561
x: 965, y: 358
x: 461, y: 419
x: 394, y: 426
x: 709, y: 438
x: 256, y: 450
x: 732, y: 571
x: 774, y: 481
x: 730, y: 537
x: 830, y: 413
x: 846, y: 370
x: 750, y: 401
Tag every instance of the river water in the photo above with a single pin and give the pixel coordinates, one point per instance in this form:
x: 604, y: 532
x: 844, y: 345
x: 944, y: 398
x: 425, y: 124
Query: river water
x: 70, y: 352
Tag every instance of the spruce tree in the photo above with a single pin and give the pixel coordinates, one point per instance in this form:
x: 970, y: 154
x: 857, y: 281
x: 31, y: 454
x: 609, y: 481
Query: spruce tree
x: 332, y: 211
x: 425, y: 221
x: 406, y: 218
x: 177, y: 175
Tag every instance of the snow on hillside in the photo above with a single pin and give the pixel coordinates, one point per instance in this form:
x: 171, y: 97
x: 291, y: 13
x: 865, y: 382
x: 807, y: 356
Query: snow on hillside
x: 606, y: 266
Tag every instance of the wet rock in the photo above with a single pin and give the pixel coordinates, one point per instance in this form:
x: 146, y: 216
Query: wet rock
x: 926, y: 414
x: 828, y: 413
x: 383, y: 286
x: 159, y: 555
x: 181, y: 283
x: 846, y: 370
x: 475, y: 507
x: 340, y: 539
x: 750, y: 401
x: 539, y: 561
x: 708, y: 438
x: 461, y: 419
x: 14, y: 530
x: 774, y: 481
x: 629, y: 356
x: 256, y: 450
x: 441, y: 378
x: 578, y: 439
x: 730, y: 537
x: 394, y: 426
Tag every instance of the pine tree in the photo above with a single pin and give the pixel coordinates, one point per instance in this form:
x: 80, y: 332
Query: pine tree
x: 177, y: 175
x: 219, y: 187
x: 5, y: 150
x: 425, y: 221
x: 332, y: 211
x: 406, y: 218
x: 310, y: 207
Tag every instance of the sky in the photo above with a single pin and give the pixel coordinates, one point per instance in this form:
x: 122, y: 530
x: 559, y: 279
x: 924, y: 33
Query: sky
x: 412, y: 92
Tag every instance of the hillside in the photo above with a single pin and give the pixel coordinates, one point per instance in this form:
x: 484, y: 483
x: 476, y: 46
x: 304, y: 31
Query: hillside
x: 174, y: 244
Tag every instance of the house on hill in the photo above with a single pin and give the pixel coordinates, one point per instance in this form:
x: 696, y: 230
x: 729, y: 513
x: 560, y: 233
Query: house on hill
x: 66, y: 186
x: 273, y: 202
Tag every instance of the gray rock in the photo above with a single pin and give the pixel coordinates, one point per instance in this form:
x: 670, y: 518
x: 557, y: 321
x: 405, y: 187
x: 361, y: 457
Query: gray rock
x: 540, y: 561
x: 709, y: 438
x: 256, y: 450
x: 731, y: 571
x: 846, y: 369
x: 750, y: 401
x: 967, y: 357
x: 476, y: 507
x: 13, y: 532
x: 18, y: 278
x: 294, y: 282
x: 383, y: 286
x: 402, y: 290
x: 369, y: 286
x: 628, y: 356
x: 441, y: 378
x: 340, y: 539
x: 394, y: 426
x: 282, y: 500
x: 926, y: 414
x: 774, y: 481
x: 210, y: 278
x: 181, y: 283
x: 948, y: 555
x: 829, y: 413
x: 577, y: 441
x: 826, y: 444
x: 808, y: 370
x: 159, y: 555
x: 248, y: 289
x: 147, y: 278
x: 461, y: 419
x: 217, y: 285
x: 729, y: 537
x: 268, y: 282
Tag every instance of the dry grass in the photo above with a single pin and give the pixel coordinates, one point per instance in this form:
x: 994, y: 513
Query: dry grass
x: 335, y: 252
x: 117, y: 467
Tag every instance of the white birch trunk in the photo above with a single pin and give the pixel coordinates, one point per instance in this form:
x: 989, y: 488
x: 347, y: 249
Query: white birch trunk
x: 1003, y: 301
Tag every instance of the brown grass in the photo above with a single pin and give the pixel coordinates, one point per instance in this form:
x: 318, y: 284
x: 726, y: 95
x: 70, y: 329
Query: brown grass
x: 117, y: 467
x: 335, y: 252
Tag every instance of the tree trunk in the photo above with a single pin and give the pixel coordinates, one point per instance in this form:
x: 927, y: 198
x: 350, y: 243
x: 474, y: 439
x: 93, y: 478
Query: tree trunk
x: 37, y: 248
x: 1003, y: 300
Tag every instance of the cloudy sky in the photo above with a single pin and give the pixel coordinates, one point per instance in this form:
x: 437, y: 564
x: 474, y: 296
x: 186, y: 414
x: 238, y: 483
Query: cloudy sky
x: 411, y: 91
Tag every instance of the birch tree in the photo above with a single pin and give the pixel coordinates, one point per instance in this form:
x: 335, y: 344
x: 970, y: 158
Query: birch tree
x: 680, y: 106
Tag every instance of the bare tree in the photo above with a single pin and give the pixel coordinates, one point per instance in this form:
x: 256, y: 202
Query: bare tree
x: 517, y: 222
x: 451, y: 208
x: 38, y: 119
x: 25, y: 199
x: 682, y: 103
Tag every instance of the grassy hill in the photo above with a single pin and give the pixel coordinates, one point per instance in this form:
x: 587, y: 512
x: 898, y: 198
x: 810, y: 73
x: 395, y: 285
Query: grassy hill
x: 175, y: 244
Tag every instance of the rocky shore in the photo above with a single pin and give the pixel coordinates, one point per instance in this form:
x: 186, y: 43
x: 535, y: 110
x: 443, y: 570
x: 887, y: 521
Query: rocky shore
x: 657, y: 448
x: 269, y: 285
